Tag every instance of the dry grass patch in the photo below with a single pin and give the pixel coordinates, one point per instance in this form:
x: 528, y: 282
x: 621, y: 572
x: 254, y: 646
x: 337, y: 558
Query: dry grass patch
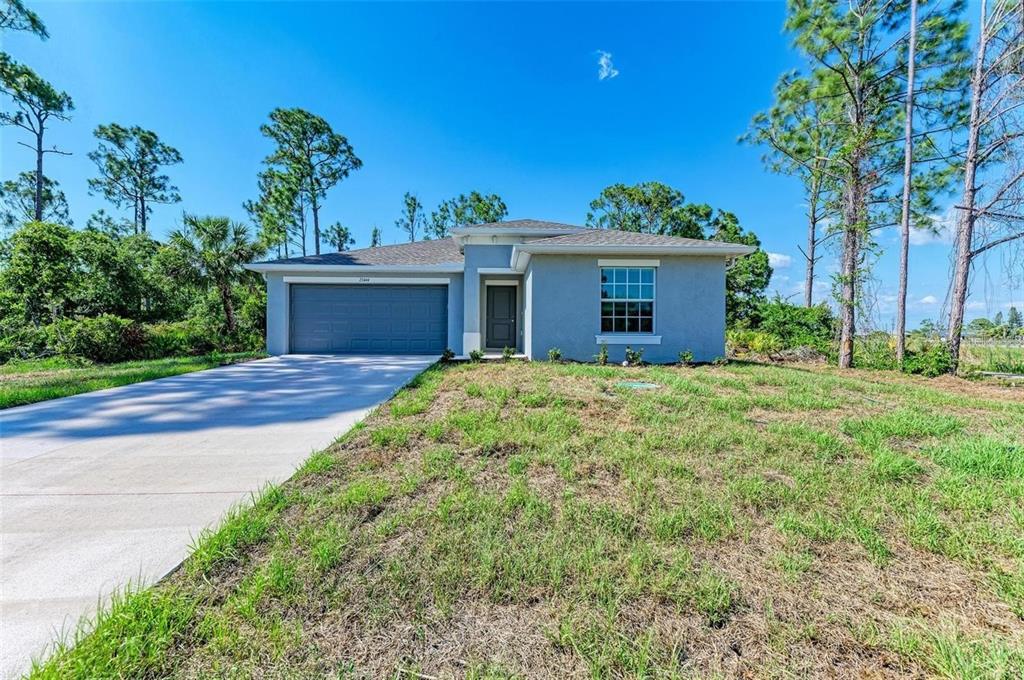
x: 538, y: 520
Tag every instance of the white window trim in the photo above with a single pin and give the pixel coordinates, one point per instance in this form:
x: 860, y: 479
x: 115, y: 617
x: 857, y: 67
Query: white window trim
x: 369, y: 280
x: 628, y: 263
x: 653, y: 300
x: 501, y: 282
x: 627, y: 339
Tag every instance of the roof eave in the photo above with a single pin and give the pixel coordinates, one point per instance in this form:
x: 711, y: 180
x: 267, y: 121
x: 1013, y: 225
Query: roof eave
x: 273, y: 267
x: 521, y: 253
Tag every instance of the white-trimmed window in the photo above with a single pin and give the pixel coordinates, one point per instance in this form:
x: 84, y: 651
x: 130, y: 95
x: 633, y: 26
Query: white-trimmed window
x: 627, y: 299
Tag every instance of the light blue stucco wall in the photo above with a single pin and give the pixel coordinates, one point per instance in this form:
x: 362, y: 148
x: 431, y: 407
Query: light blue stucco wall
x: 278, y: 312
x: 560, y: 305
x: 528, y: 311
x: 477, y: 257
x: 564, y: 308
x: 456, y: 293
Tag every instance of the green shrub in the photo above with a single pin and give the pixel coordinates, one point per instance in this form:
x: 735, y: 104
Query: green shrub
x: 105, y: 338
x: 476, y: 355
x: 447, y: 355
x: 765, y: 343
x: 554, y: 354
x: 21, y: 341
x: 797, y: 326
x: 931, y: 360
x: 876, y: 351
x: 602, y: 355
x: 177, y: 338
x: 686, y: 357
x: 634, y: 357
x: 757, y: 342
x: 109, y: 339
x: 507, y: 353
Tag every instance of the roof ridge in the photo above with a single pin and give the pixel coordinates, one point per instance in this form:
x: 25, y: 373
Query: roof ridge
x: 422, y: 241
x: 526, y: 223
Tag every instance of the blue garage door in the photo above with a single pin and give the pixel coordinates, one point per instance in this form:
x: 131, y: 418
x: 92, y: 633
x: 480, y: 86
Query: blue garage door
x: 368, y: 319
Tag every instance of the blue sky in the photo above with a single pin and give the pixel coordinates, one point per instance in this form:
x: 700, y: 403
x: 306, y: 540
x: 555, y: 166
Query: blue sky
x: 440, y: 99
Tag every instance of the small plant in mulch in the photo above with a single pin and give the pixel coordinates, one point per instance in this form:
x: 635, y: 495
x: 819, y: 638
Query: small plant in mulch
x: 554, y: 354
x: 634, y: 357
x: 506, y: 353
x: 686, y: 358
x: 602, y: 355
x: 447, y: 355
x: 476, y: 355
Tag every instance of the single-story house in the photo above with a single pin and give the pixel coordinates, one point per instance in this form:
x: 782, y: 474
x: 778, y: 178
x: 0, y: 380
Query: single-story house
x: 524, y: 284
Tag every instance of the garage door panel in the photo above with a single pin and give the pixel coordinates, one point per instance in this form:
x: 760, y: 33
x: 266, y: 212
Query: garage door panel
x: 369, y: 319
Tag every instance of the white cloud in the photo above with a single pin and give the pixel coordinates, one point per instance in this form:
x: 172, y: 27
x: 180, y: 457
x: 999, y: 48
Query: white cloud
x: 779, y: 261
x: 605, y: 68
x: 928, y: 300
x: 942, y: 230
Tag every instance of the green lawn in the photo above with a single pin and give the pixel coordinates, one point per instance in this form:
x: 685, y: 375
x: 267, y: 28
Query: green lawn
x: 30, y: 381
x: 524, y: 520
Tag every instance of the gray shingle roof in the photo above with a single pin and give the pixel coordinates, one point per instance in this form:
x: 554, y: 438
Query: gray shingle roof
x: 440, y: 251
x: 613, y: 237
x: 446, y: 250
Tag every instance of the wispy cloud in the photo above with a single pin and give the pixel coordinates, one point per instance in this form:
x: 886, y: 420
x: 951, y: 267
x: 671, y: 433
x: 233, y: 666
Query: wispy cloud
x: 779, y: 261
x: 605, y: 68
x: 942, y: 230
x: 929, y: 300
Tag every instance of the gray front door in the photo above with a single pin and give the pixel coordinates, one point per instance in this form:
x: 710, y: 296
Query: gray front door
x: 368, y: 319
x: 501, y: 317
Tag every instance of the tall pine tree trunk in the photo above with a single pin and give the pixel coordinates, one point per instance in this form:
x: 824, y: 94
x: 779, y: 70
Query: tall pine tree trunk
x: 966, y: 217
x: 853, y: 216
x: 908, y: 160
x: 316, y: 224
x: 812, y: 242
x: 39, y: 174
x: 812, y: 227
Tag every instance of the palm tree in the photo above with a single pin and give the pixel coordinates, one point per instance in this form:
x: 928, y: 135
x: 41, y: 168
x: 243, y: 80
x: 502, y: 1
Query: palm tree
x: 213, y: 250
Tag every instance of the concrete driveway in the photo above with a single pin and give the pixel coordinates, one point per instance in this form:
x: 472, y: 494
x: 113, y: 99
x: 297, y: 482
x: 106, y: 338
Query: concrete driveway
x: 104, y: 488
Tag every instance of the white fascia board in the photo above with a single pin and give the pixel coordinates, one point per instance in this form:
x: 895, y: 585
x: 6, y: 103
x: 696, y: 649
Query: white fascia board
x: 490, y: 240
x: 299, y: 269
x: 520, y: 259
x: 371, y: 280
x: 619, y: 249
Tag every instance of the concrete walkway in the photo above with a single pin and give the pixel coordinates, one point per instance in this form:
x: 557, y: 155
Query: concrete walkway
x: 104, y: 488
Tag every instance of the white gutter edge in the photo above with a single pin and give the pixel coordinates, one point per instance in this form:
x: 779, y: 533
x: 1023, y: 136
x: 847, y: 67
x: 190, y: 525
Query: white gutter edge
x: 521, y: 253
x: 270, y: 267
